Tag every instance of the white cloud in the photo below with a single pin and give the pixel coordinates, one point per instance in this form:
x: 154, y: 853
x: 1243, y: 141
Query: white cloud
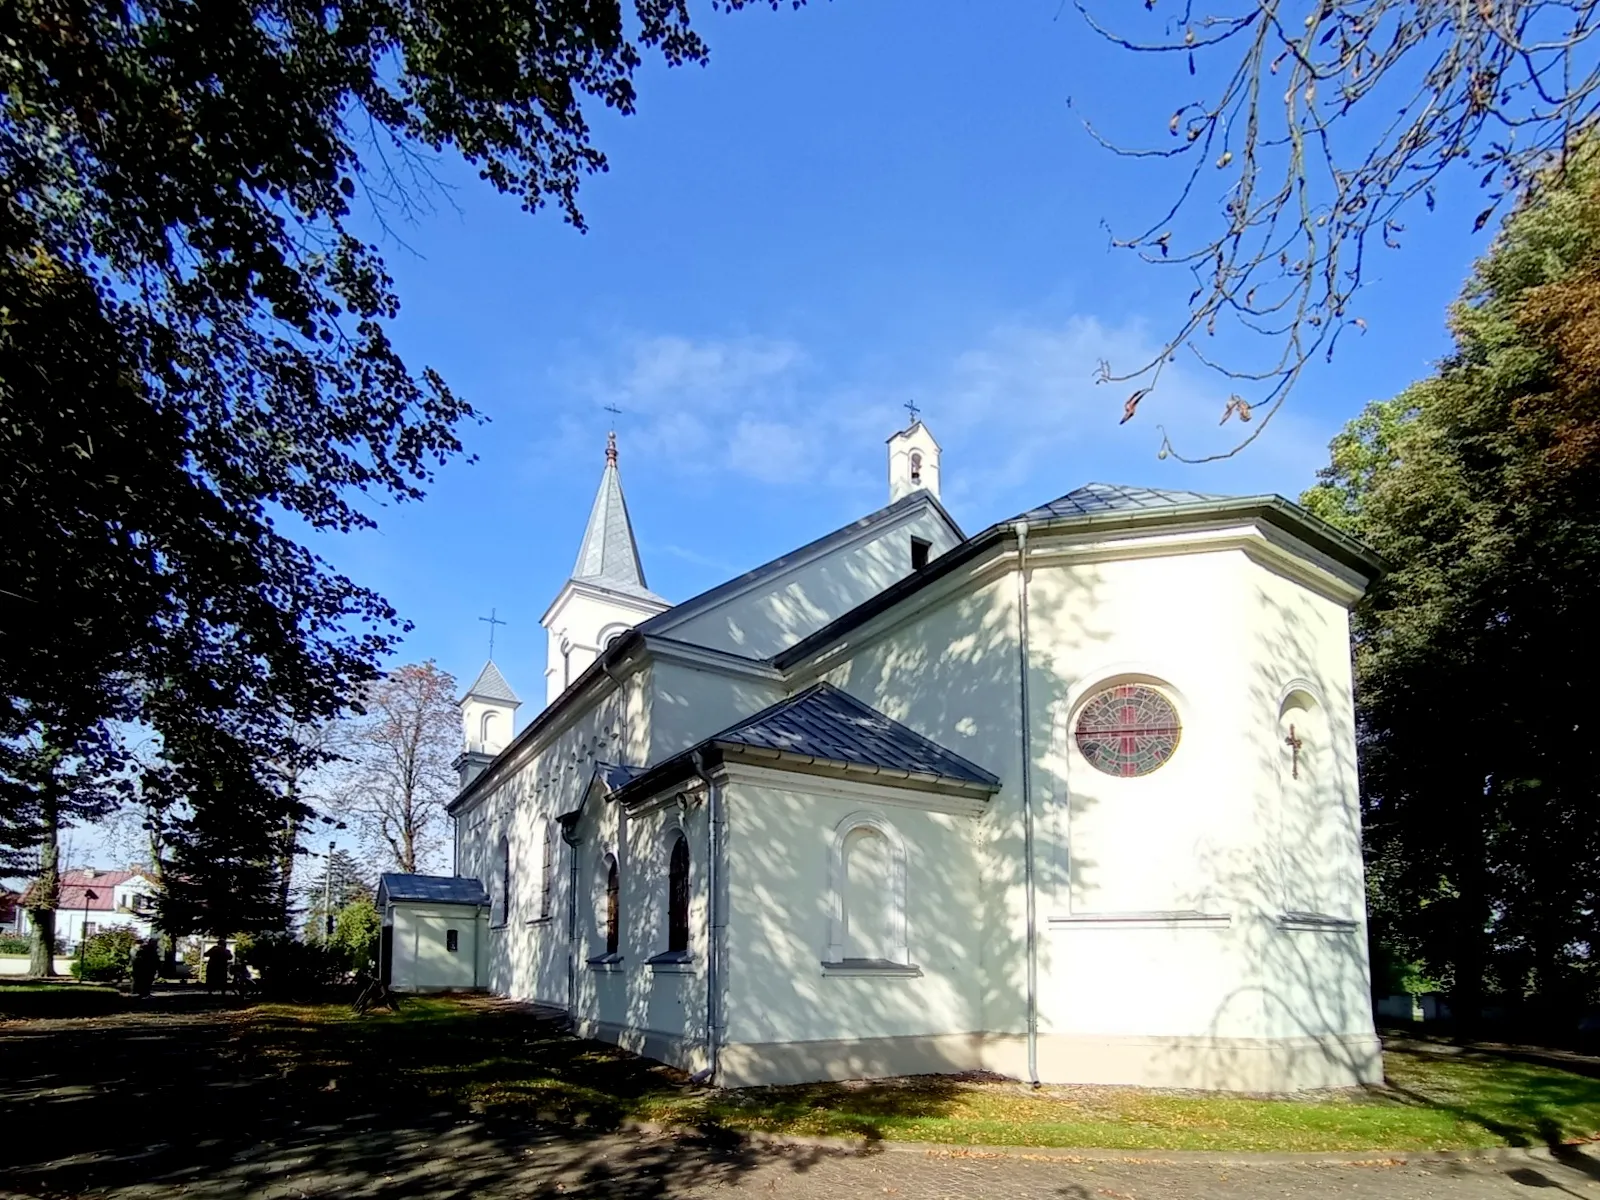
x: 1018, y: 412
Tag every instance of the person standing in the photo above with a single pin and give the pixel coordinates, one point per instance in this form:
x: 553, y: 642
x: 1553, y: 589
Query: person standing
x: 146, y: 959
x: 217, y: 968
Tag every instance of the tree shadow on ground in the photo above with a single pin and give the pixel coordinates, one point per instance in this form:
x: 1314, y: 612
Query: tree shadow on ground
x: 1513, y: 1094
x: 303, y: 1102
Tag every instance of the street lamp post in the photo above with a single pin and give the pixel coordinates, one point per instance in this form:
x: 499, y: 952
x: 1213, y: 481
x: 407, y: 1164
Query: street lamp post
x: 83, y: 933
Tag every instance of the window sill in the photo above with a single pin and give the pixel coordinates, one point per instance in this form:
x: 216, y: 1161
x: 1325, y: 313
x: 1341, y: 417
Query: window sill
x: 672, y: 962
x: 541, y: 921
x: 606, y: 964
x: 877, y: 967
x: 1317, y: 922
x: 1180, y: 919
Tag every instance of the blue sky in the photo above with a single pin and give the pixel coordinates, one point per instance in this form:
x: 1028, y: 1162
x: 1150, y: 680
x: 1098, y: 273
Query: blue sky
x: 856, y: 204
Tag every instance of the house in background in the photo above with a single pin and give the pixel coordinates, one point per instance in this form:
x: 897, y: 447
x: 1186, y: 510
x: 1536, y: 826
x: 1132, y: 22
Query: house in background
x: 93, y: 900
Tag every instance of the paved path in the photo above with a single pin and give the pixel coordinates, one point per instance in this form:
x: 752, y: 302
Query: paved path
x: 169, y: 1106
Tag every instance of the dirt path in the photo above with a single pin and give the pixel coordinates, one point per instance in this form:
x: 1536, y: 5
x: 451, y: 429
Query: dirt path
x: 170, y: 1104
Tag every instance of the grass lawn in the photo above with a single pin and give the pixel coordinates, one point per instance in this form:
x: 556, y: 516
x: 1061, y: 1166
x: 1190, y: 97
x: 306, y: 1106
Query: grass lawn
x: 23, y: 998
x: 506, y: 1063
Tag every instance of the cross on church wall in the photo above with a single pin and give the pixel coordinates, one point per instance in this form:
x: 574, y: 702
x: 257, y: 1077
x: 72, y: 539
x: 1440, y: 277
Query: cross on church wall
x: 1295, y: 744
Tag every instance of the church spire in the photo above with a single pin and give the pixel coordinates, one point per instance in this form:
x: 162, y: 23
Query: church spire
x: 609, y: 557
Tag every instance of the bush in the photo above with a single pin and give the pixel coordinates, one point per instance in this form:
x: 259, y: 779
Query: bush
x: 292, y: 969
x: 355, y: 934
x: 105, y: 956
x: 15, y: 943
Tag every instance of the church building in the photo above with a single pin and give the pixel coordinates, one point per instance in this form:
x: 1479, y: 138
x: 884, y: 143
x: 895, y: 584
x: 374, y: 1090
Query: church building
x: 1072, y: 798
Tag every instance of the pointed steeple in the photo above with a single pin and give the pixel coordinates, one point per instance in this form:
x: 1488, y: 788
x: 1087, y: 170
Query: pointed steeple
x: 609, y: 557
x: 491, y: 685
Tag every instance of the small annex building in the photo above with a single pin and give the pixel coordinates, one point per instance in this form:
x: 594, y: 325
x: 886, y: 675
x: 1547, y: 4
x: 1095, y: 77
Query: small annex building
x: 433, y: 933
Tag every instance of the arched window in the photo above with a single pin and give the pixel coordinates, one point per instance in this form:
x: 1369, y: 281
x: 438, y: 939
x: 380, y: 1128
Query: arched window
x: 916, y: 466
x: 505, y: 880
x: 678, y: 897
x: 547, y: 875
x: 613, y: 913
x: 867, y: 885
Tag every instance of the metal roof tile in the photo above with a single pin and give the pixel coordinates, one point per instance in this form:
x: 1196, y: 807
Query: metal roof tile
x: 433, y: 889
x: 826, y: 723
x: 1094, y: 498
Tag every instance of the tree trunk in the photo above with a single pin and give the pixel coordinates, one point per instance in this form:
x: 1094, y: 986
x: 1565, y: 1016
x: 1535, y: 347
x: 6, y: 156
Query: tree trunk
x: 291, y: 835
x: 45, y: 893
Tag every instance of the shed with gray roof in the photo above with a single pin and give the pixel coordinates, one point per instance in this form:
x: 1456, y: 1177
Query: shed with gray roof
x: 434, y: 932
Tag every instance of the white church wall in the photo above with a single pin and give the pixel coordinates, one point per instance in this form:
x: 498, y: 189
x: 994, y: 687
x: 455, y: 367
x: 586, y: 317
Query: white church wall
x: 526, y: 954
x: 653, y: 1009
x: 798, y: 602
x: 1313, y: 936
x: 950, y: 673
x: 787, y: 1016
x: 1160, y: 962
x: 688, y: 705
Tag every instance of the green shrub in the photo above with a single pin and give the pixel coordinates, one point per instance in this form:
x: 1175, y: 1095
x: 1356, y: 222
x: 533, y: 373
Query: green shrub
x: 105, y: 956
x: 355, y: 934
x: 15, y: 943
x: 293, y: 970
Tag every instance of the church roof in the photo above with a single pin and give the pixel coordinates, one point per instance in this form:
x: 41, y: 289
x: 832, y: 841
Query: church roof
x: 662, y: 622
x: 609, y: 557
x: 828, y: 727
x: 1093, y: 498
x: 491, y: 685
x: 432, y: 889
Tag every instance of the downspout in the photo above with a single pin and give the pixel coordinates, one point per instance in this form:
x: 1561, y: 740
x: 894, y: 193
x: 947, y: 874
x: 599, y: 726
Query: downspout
x: 1031, y: 917
x: 713, y: 924
x: 572, y: 929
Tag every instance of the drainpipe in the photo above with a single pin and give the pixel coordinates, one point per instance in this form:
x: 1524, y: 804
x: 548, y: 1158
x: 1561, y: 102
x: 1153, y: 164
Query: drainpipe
x: 1031, y: 917
x: 713, y: 924
x: 572, y: 929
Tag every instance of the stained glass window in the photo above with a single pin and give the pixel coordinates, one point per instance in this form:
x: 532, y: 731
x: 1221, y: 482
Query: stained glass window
x: 1128, y: 730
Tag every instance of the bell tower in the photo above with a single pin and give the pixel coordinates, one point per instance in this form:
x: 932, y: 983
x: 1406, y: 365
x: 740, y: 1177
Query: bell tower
x: 488, y: 711
x: 913, y: 460
x: 606, y: 595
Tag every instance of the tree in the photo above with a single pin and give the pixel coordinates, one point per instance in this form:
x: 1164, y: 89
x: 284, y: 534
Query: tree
x: 1318, y: 126
x: 1475, y: 655
x: 356, y: 931
x: 195, y: 342
x: 327, y: 892
x: 400, y: 755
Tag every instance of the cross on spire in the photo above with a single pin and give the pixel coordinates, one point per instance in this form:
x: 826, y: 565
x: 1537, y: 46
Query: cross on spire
x: 611, y: 437
x: 911, y: 407
x: 491, y: 620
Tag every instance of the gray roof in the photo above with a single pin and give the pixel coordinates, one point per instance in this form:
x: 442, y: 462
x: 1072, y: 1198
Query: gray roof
x: 609, y: 557
x: 1094, y: 498
x: 433, y: 889
x: 825, y: 723
x: 491, y: 685
x: 662, y: 622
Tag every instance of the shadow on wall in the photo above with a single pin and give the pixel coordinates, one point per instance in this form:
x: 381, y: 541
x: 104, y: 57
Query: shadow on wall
x: 1299, y: 907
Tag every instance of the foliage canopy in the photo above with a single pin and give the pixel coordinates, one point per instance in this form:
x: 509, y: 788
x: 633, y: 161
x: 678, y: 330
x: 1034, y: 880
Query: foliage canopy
x: 1476, y: 655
